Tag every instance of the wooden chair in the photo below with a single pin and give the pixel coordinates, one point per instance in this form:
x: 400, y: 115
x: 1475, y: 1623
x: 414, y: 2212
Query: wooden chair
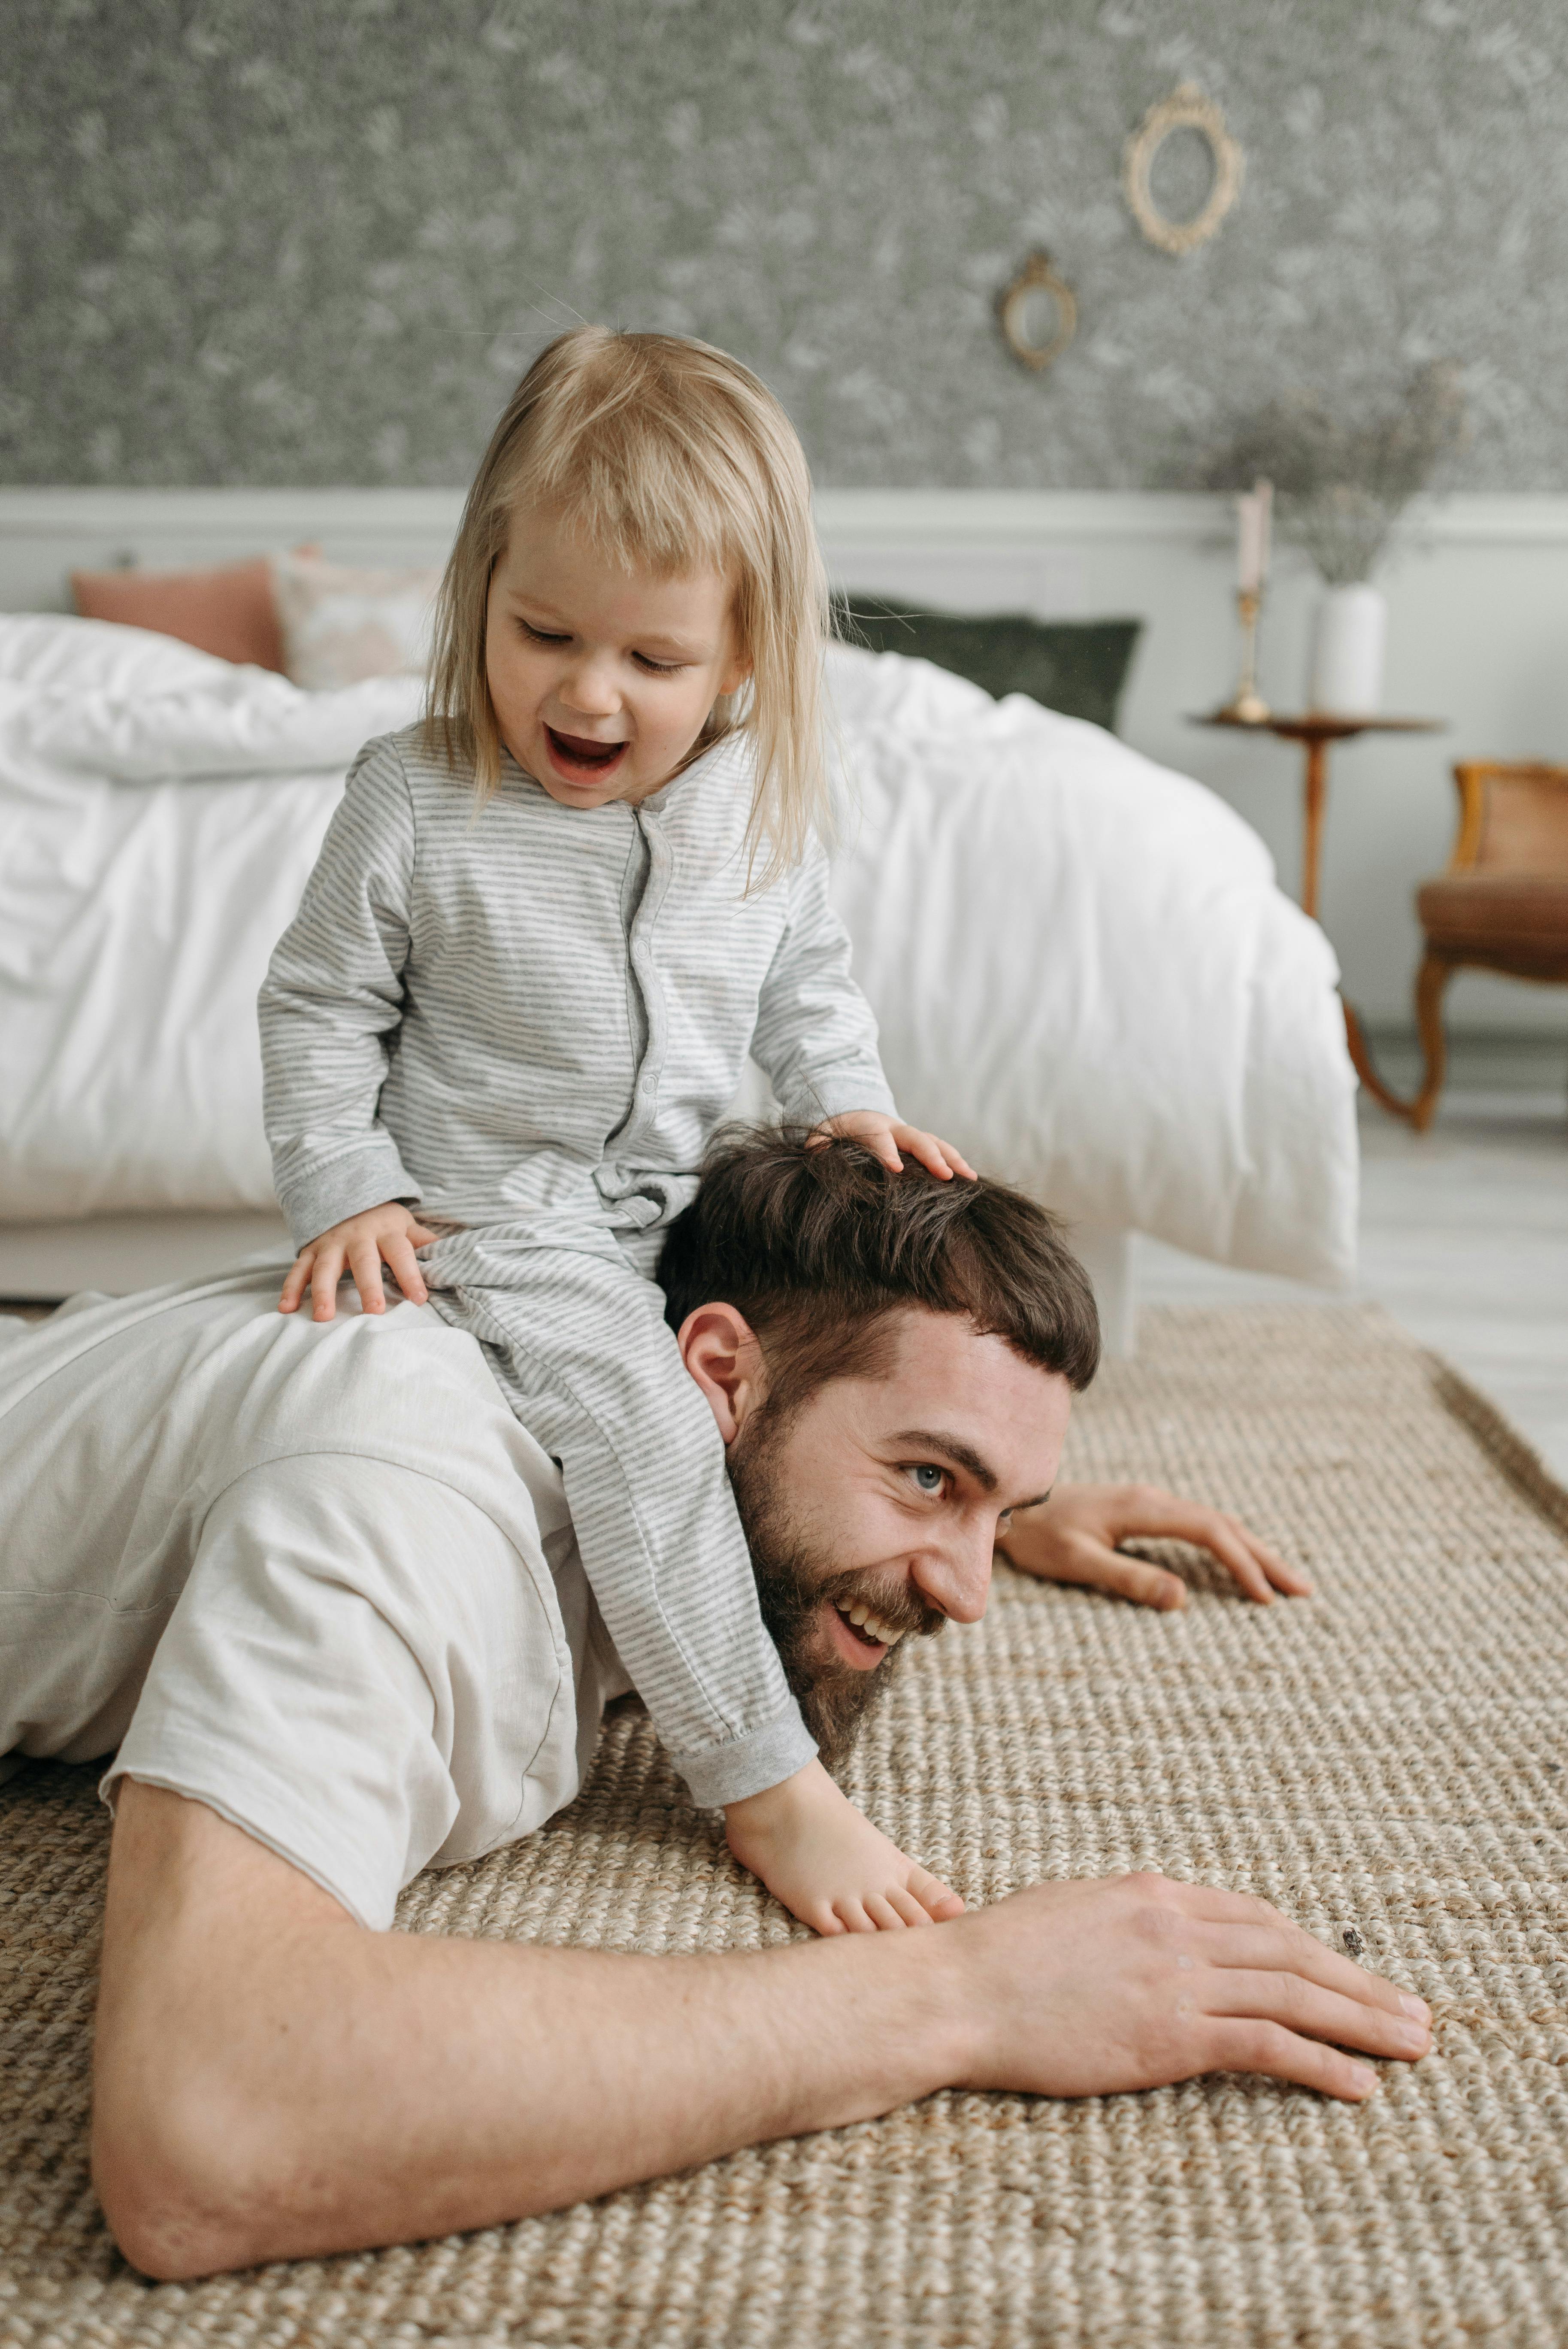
x: 1503, y: 905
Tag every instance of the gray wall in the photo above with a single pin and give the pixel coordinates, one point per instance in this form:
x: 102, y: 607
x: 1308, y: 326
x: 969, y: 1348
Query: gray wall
x: 254, y: 241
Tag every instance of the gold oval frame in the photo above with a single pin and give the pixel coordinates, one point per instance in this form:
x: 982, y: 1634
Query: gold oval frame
x: 1037, y: 275
x: 1186, y: 108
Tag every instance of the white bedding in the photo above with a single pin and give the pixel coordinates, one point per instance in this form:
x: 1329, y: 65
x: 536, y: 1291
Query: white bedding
x: 1083, y: 973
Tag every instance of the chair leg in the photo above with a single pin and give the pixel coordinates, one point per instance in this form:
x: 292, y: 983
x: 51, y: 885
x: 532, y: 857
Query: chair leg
x: 1430, y: 981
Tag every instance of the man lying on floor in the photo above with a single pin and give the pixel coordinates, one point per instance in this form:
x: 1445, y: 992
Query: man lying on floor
x: 319, y: 1589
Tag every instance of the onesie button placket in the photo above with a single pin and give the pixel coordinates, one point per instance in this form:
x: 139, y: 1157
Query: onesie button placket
x: 645, y: 970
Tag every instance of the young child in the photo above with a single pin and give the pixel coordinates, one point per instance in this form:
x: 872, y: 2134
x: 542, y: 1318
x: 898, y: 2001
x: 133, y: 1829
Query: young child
x: 546, y: 927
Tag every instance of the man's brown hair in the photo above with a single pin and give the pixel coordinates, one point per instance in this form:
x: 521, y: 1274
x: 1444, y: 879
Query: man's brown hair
x: 818, y: 1243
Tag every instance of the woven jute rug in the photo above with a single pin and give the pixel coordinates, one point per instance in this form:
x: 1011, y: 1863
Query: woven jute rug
x: 1384, y: 1761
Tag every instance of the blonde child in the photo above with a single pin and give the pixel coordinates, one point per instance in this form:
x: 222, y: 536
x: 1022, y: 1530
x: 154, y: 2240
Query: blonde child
x: 546, y: 927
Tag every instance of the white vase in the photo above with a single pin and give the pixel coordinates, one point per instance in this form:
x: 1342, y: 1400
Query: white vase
x: 1349, y: 631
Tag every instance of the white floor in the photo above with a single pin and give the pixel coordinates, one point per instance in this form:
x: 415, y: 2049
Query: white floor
x: 1464, y: 1231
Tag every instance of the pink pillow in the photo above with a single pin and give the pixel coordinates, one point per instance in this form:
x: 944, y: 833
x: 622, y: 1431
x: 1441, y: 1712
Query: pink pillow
x: 227, y: 610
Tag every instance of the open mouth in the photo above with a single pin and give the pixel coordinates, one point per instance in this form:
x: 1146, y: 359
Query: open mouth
x: 866, y: 1628
x: 581, y: 759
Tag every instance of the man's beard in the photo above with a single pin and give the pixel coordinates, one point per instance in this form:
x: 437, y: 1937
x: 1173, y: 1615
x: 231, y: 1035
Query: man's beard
x: 794, y: 1577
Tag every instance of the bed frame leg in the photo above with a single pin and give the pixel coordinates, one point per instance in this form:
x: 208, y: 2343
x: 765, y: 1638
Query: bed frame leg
x: 1107, y: 1257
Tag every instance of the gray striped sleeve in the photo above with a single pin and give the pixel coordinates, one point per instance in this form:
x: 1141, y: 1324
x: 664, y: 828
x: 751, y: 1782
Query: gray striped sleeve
x: 816, y: 1036
x: 332, y: 993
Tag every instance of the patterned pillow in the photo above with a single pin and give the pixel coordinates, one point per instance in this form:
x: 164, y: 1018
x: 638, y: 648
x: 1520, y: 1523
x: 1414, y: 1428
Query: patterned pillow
x: 341, y: 624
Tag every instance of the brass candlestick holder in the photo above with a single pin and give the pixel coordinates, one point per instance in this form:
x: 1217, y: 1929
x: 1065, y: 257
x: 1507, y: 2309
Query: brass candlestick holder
x: 1246, y: 705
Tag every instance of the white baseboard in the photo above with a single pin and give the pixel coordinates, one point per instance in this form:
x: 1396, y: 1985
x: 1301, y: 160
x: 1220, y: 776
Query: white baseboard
x: 46, y: 533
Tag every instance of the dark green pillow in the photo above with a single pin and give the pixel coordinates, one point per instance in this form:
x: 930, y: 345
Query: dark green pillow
x: 1077, y: 667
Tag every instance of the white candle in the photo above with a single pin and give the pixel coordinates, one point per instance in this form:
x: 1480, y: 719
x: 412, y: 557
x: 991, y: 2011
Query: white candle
x: 1249, y: 544
x: 1263, y: 492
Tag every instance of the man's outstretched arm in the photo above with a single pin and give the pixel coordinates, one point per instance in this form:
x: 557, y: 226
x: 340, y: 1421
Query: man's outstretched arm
x: 273, y: 2081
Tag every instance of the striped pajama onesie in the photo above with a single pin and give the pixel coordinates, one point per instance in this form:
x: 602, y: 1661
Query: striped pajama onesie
x: 527, y: 1022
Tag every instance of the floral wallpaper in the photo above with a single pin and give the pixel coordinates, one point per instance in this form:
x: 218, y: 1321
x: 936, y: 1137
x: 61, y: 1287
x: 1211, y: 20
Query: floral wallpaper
x: 253, y: 241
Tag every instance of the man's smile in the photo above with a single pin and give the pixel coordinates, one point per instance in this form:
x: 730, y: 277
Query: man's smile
x: 860, y: 1634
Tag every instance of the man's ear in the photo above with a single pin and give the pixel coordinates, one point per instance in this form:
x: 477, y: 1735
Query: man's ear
x: 720, y: 1351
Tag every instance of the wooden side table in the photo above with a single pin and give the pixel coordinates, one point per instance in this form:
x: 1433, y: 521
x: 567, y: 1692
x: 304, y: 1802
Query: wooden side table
x: 1315, y: 730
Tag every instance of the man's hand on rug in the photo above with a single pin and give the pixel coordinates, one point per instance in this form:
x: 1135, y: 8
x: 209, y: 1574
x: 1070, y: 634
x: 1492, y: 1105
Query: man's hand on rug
x: 826, y: 1862
x: 1075, y: 1536
x: 1092, y: 1988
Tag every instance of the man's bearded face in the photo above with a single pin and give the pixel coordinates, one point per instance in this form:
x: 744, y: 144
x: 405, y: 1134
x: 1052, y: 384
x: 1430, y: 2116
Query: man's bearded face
x: 795, y: 1577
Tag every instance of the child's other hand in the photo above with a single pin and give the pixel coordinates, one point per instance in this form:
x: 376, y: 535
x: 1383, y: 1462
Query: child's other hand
x: 361, y: 1245
x: 827, y: 1864
x: 885, y: 1137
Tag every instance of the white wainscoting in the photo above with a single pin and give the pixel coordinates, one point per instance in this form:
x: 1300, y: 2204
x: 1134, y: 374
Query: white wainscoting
x: 1479, y: 635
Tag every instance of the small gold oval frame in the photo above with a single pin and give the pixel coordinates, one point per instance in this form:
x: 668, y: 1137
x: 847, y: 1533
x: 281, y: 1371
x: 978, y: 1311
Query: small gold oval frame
x: 1186, y: 108
x: 1037, y: 275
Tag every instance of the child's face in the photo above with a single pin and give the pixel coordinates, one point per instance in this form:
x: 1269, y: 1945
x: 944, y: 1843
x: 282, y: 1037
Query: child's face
x: 602, y: 678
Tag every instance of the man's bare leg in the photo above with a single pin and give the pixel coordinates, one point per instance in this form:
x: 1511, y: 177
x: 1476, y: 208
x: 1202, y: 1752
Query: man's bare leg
x: 273, y: 2081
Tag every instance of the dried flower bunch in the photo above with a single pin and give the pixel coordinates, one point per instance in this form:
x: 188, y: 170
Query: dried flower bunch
x: 1340, y: 489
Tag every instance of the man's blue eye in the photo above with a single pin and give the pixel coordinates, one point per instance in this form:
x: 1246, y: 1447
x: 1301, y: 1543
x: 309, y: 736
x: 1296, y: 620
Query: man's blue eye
x: 925, y: 1471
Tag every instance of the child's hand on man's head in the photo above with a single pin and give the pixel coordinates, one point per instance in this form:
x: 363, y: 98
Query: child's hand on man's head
x: 361, y: 1245
x: 886, y: 1136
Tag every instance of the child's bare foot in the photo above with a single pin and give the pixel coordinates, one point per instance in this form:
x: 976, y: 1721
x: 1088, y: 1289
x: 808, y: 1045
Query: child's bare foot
x: 827, y: 1864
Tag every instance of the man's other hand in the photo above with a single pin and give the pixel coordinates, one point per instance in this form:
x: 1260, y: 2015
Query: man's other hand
x: 1074, y: 1537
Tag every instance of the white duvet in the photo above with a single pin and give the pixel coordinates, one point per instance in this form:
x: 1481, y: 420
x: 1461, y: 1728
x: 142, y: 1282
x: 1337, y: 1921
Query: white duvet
x: 1082, y: 968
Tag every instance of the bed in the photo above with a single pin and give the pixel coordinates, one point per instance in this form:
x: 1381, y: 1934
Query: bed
x: 1082, y: 968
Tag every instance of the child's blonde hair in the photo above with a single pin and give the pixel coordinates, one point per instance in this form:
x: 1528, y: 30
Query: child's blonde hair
x: 669, y: 455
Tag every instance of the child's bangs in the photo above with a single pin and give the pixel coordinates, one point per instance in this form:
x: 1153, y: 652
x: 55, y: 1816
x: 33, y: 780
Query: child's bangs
x: 637, y: 499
